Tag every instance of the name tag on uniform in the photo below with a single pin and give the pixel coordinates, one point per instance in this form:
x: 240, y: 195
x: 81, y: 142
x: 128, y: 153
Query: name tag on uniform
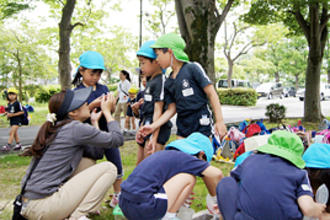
x: 188, y: 92
x: 147, y: 98
x: 204, y: 120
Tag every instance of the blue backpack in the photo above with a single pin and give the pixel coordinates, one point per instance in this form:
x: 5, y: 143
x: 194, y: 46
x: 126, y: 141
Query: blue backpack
x: 25, y: 117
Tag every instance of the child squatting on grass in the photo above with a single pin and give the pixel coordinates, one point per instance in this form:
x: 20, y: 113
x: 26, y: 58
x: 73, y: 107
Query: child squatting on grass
x: 270, y: 184
x: 52, y: 192
x: 161, y: 183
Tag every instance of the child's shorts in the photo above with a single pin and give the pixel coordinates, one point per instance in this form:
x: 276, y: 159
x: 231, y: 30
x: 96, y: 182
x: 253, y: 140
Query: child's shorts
x: 15, y: 121
x: 113, y: 156
x: 143, y: 207
x: 163, y: 135
x: 199, y: 121
x: 129, y: 111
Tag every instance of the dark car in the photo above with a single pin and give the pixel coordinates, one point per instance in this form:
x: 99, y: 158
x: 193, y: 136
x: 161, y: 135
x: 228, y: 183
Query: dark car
x: 289, y: 92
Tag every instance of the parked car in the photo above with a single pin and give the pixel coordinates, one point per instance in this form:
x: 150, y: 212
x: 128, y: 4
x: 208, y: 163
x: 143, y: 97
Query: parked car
x: 223, y: 83
x: 270, y: 90
x: 324, y: 92
x: 289, y: 91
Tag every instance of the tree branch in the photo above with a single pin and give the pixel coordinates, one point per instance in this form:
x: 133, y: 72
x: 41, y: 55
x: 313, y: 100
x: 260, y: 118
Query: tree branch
x: 324, y: 17
x: 223, y: 15
x: 77, y: 24
x: 302, y: 22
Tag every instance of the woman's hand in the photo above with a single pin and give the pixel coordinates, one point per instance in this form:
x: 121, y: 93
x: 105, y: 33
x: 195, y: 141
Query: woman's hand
x: 95, y: 117
x: 108, y: 105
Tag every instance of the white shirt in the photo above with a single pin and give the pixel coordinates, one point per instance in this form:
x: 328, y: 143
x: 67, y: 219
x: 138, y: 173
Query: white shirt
x: 123, y: 87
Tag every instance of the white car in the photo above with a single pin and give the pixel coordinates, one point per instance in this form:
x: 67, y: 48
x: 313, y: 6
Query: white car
x: 324, y: 92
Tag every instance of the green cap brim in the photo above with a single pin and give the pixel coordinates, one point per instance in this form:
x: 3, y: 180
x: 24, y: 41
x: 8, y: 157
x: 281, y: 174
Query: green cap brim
x: 283, y: 153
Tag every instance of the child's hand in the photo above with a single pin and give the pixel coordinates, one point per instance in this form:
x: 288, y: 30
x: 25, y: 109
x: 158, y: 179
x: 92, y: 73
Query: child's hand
x: 151, y: 147
x: 95, y: 116
x: 319, y: 209
x: 139, y: 138
x: 146, y: 130
x: 9, y: 115
x: 220, y: 129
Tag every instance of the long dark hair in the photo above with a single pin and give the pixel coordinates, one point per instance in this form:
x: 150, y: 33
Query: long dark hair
x: 48, y: 131
x: 78, y: 77
x: 126, y: 74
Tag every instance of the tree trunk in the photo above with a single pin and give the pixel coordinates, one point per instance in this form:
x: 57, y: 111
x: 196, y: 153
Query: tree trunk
x: 230, y: 71
x: 277, y: 77
x: 20, y: 76
x: 329, y: 74
x: 65, y: 29
x: 316, y: 42
x: 199, y: 23
x: 297, y: 81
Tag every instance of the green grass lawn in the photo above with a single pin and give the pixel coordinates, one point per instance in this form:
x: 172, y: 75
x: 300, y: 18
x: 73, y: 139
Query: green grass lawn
x: 13, y: 169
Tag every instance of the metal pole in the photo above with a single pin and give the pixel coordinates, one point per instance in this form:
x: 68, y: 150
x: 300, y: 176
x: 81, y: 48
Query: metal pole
x: 140, y: 37
x: 141, y: 15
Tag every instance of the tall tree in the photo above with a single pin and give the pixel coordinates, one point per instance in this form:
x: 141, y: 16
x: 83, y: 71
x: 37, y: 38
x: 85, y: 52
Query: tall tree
x: 158, y: 22
x: 65, y: 29
x: 199, y: 22
x: 307, y: 17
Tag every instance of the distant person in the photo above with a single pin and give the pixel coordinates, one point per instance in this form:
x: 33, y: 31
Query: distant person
x: 89, y: 74
x: 52, y: 191
x: 14, y: 113
x: 269, y: 184
x: 130, y: 119
x: 123, y: 87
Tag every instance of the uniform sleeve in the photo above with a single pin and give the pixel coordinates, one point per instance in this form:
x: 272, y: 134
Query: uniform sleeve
x: 200, y: 75
x: 192, y: 165
x: 85, y: 134
x: 304, y: 187
x: 158, y: 89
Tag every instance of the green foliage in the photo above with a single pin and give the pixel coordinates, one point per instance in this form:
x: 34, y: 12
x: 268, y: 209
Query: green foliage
x: 238, y: 96
x: 275, y: 112
x: 9, y: 8
x: 44, y: 93
x: 113, y: 87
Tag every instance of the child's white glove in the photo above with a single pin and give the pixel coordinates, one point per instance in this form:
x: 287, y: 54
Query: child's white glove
x: 211, y: 202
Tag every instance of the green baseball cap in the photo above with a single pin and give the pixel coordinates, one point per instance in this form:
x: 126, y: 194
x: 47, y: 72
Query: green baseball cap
x: 174, y: 42
x: 286, y: 145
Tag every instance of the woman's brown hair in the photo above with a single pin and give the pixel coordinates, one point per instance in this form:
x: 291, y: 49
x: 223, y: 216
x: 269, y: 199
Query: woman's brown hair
x: 48, y: 130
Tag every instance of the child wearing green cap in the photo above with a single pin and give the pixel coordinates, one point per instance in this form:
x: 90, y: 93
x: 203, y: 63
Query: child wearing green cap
x: 189, y: 88
x: 162, y: 182
x: 270, y: 184
x: 88, y: 74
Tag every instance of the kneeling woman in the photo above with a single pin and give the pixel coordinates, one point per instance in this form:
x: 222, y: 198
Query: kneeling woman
x: 51, y: 191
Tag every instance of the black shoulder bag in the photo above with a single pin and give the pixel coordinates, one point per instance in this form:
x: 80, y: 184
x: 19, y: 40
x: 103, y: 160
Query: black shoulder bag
x: 18, y: 201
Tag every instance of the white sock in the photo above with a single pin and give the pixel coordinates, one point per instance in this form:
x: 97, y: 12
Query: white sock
x: 169, y: 215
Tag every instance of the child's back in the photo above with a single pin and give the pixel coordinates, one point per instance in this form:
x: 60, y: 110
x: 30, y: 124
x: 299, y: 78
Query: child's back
x: 270, y: 187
